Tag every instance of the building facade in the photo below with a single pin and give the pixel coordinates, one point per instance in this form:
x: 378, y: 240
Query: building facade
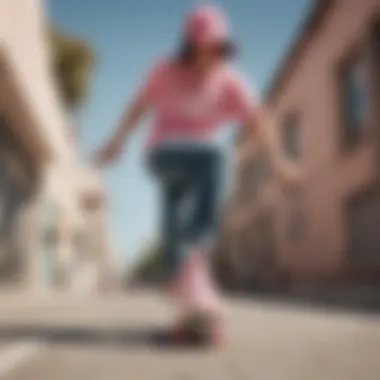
x: 94, y: 264
x: 326, y: 100
x: 41, y: 211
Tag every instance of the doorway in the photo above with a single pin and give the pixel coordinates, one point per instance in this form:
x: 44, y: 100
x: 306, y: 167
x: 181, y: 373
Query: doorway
x: 17, y: 184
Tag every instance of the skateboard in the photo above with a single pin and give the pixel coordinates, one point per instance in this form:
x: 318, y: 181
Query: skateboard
x: 199, y: 327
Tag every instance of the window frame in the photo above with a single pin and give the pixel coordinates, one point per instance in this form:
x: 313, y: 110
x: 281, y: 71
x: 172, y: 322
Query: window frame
x: 292, y: 120
x: 296, y: 211
x: 352, y: 201
x: 348, y: 140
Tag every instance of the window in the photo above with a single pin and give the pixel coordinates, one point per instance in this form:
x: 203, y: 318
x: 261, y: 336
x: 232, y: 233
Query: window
x: 375, y: 90
x: 265, y: 236
x: 258, y: 173
x: 354, y: 98
x: 376, y: 41
x: 19, y: 163
x: 291, y: 138
x: 296, y: 216
x: 262, y: 170
x: 363, y: 228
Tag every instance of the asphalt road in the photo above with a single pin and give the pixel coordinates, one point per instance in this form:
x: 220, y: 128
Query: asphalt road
x: 117, y: 338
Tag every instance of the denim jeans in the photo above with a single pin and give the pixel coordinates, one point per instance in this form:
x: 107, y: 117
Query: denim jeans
x: 189, y: 176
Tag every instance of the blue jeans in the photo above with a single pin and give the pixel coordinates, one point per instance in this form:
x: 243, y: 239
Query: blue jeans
x: 190, y: 179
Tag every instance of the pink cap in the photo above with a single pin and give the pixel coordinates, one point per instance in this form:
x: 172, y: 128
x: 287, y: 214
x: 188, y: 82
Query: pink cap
x: 206, y: 25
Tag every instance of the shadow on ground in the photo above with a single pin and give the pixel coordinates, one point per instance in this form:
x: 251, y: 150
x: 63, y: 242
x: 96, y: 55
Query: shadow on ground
x: 158, y: 336
x: 366, y: 301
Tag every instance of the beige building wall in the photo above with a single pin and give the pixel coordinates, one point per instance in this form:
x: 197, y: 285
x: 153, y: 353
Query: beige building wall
x: 40, y: 123
x: 96, y: 265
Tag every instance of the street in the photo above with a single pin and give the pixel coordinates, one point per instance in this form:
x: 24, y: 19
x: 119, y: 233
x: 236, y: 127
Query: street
x: 112, y: 338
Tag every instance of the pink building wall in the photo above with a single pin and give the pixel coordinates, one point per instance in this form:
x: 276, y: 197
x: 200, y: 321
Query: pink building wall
x: 312, y: 93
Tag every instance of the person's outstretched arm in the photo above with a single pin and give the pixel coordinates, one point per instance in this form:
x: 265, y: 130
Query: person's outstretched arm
x: 115, y: 143
x: 261, y: 126
x: 146, y: 97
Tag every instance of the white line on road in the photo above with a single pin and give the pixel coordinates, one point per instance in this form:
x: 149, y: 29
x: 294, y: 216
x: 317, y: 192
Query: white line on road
x: 15, y: 355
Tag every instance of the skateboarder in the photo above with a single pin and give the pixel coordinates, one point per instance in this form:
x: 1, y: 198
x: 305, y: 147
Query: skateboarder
x: 191, y: 93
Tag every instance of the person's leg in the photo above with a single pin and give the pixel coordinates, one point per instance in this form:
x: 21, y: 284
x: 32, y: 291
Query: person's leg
x: 198, y: 289
x: 170, y: 168
x: 173, y: 194
x: 182, y: 172
x: 203, y: 219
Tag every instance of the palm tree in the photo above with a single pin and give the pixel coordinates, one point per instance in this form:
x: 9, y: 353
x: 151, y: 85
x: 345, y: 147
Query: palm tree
x: 73, y: 61
x: 150, y: 266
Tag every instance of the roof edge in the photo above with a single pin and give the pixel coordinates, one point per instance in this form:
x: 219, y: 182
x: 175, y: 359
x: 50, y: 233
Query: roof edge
x: 309, y: 27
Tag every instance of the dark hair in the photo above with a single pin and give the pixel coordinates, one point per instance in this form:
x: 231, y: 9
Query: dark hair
x: 188, y: 51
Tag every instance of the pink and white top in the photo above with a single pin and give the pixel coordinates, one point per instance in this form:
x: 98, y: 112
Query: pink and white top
x: 187, y: 107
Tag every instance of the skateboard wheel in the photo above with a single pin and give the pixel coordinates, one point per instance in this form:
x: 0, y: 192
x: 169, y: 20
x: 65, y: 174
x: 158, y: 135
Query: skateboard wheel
x: 180, y: 334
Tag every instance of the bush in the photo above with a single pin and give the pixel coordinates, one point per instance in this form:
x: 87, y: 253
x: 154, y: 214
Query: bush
x: 150, y: 266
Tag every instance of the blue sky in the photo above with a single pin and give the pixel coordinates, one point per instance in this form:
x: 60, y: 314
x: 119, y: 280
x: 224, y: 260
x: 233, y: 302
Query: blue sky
x: 127, y: 36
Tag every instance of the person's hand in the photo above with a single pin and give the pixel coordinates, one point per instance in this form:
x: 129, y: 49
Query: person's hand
x: 243, y: 154
x: 236, y: 221
x: 289, y: 174
x: 108, y: 153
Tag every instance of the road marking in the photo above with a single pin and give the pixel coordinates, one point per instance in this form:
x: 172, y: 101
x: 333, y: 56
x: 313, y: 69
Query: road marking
x: 15, y: 355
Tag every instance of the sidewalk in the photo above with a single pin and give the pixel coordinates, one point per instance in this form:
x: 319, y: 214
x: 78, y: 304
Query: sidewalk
x: 14, y: 296
x: 363, y: 299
